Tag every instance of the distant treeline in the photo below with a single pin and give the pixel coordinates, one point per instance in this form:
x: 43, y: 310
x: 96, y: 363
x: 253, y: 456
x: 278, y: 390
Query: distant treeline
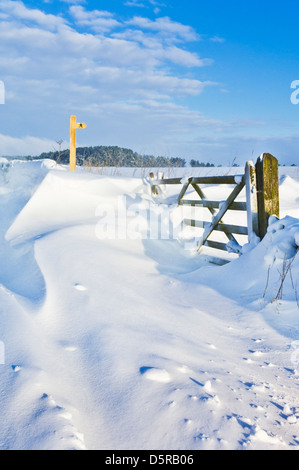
x: 196, y: 163
x: 113, y: 156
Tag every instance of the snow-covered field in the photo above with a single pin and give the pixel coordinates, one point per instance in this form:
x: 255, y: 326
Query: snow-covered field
x: 113, y: 339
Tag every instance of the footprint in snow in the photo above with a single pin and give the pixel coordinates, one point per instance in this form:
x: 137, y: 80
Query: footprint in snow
x: 79, y: 287
x: 256, y: 353
x: 249, y: 361
x: 155, y: 374
x: 193, y: 397
x: 58, y: 423
x: 188, y: 421
x: 184, y: 369
x: 172, y: 404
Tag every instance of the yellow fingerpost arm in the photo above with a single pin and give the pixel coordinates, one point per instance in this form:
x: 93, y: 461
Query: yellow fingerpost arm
x: 74, y: 126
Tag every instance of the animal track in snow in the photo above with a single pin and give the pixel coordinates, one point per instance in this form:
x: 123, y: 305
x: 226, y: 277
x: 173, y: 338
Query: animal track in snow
x: 256, y: 353
x: 193, y: 397
x: 257, y: 388
x: 172, y: 404
x: 188, y: 421
x: 55, y: 420
x: 184, y: 369
x: 214, y: 400
x: 79, y: 287
x: 155, y: 374
x: 250, y: 361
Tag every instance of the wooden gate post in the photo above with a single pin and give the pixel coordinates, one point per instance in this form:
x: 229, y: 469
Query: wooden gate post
x: 153, y: 187
x: 251, y: 201
x: 267, y: 190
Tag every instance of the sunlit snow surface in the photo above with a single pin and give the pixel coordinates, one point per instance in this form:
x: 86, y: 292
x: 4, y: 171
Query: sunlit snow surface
x: 125, y: 340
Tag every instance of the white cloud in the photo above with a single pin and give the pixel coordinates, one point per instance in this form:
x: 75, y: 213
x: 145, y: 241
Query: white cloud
x: 185, y: 58
x: 18, y: 10
x: 166, y: 26
x: 15, y: 146
x: 124, y: 77
x: 135, y: 3
x: 99, y: 21
x: 217, y: 39
x: 139, y: 84
x: 140, y: 4
x: 69, y: 48
x: 73, y: 2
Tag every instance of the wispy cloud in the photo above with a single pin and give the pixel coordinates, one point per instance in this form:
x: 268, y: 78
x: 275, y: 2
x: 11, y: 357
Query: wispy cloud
x: 125, y: 75
x: 217, y: 39
x: 16, y: 10
x: 37, y: 45
x: 28, y: 145
x: 98, y: 21
x: 166, y: 27
x: 72, y: 2
x: 135, y: 3
x: 144, y: 3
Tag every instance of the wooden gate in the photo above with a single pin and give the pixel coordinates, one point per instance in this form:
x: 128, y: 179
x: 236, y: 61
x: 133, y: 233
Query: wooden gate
x: 261, y: 183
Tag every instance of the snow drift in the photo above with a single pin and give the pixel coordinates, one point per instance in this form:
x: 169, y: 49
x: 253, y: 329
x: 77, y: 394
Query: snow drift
x: 133, y: 342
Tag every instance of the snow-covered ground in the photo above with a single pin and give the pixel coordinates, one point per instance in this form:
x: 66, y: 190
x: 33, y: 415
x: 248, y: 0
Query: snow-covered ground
x: 112, y: 338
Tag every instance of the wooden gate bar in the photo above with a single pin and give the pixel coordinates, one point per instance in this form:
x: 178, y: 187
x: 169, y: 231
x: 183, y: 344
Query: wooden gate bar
x: 216, y: 179
x: 262, y: 200
x: 229, y: 228
x: 223, y: 209
x: 216, y: 245
x: 201, y: 180
x: 235, y: 206
x: 213, y: 212
x: 183, y: 192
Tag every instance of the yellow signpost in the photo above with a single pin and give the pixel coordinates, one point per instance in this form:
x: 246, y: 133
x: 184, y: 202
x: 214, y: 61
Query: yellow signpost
x: 74, y: 126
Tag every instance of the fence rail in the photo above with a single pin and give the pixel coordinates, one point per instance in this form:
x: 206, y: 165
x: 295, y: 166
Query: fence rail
x: 262, y: 200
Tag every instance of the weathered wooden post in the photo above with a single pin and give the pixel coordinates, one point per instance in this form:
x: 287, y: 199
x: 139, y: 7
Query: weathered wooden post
x: 251, y: 201
x: 73, y: 128
x: 267, y: 180
x: 153, y: 187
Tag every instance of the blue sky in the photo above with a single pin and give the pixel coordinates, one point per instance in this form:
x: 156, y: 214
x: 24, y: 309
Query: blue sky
x: 196, y: 79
